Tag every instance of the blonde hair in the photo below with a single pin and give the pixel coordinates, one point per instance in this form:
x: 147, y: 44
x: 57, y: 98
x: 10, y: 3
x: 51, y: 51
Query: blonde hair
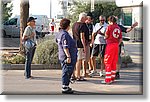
x: 29, y: 23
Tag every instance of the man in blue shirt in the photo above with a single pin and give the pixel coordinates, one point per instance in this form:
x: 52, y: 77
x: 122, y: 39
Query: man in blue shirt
x: 66, y: 42
x: 67, y: 54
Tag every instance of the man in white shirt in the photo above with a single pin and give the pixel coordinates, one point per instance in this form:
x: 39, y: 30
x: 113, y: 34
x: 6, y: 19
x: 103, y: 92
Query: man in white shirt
x: 99, y: 44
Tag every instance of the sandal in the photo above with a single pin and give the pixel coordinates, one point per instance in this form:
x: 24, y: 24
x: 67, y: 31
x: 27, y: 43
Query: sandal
x: 81, y: 79
x: 86, y: 75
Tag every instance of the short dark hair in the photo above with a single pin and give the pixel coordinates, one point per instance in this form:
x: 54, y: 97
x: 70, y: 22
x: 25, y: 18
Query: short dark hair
x: 112, y: 19
x: 64, y: 23
x: 90, y: 14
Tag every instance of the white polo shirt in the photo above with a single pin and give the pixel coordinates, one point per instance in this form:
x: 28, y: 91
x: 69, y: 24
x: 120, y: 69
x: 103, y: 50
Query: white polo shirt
x: 99, y: 39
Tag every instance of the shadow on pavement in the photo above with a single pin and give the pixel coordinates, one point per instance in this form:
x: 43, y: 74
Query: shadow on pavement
x: 47, y: 78
x: 127, y: 78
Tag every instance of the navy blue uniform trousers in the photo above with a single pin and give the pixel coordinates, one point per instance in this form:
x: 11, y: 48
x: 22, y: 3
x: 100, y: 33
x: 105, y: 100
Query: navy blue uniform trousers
x: 67, y: 71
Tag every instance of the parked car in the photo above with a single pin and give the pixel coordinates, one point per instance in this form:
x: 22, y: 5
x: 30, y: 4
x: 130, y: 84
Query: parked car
x: 11, y: 28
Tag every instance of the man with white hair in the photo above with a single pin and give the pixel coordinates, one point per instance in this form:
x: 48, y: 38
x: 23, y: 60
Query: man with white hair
x: 81, y: 35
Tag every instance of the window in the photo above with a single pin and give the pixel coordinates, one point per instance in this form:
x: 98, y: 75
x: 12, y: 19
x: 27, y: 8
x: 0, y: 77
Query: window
x: 13, y: 21
x: 127, y: 19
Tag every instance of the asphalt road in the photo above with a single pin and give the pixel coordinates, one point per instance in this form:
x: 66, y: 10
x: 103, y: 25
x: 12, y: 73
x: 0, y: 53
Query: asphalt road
x: 135, y: 50
x: 10, y: 42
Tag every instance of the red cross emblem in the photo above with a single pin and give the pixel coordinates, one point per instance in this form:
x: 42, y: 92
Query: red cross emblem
x: 116, y: 33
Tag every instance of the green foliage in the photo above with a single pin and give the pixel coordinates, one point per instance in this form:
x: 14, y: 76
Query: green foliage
x: 18, y: 59
x: 12, y: 59
x: 100, y: 8
x: 46, y: 53
x: 107, y: 9
x: 5, y: 61
x: 7, y: 8
x: 75, y: 10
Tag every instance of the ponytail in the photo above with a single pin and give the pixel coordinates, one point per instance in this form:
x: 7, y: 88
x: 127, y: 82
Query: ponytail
x: 112, y: 19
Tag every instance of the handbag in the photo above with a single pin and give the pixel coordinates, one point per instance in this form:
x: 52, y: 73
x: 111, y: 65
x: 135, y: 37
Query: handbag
x: 29, y: 44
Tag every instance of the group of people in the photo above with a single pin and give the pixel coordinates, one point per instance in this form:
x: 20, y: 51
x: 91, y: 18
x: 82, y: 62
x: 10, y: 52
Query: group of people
x: 80, y: 49
x: 87, y: 41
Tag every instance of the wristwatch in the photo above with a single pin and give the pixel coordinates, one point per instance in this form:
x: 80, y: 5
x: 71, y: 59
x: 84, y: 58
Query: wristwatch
x: 132, y: 27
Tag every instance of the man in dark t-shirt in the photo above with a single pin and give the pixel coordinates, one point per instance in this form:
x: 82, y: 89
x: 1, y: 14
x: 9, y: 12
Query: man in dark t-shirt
x: 77, y: 29
x: 81, y: 35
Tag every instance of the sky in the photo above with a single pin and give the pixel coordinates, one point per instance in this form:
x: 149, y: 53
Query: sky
x: 42, y: 7
x: 37, y: 7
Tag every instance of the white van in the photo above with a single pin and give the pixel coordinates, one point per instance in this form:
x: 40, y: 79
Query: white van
x: 11, y: 27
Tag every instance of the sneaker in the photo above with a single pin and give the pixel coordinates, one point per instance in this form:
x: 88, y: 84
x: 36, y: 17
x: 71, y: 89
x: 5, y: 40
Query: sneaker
x: 67, y: 90
x: 31, y: 77
x: 104, y: 82
x: 93, y: 73
x: 117, y: 75
x: 101, y: 74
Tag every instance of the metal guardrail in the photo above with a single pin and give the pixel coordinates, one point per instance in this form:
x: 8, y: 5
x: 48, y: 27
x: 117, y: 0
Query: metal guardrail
x: 137, y: 35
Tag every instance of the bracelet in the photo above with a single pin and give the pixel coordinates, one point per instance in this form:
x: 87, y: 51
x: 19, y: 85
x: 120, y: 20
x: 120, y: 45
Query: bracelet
x: 68, y: 57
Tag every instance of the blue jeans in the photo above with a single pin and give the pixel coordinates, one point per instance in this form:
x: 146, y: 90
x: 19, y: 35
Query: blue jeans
x: 67, y: 71
x: 29, y: 58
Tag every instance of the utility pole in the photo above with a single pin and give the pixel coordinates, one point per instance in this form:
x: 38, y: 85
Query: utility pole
x: 92, y: 5
x: 24, y: 14
x: 50, y: 9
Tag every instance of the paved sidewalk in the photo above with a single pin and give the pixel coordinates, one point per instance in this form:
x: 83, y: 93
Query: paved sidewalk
x: 49, y: 81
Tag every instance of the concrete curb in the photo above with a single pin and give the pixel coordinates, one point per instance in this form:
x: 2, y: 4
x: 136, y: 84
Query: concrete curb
x: 9, y: 48
x: 33, y: 66
x: 47, y: 66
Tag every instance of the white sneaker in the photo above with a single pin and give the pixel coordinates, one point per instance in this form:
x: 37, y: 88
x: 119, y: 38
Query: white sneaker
x: 101, y: 74
x: 93, y: 73
x: 103, y: 82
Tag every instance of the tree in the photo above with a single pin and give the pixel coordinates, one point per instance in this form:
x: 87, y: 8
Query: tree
x: 24, y: 14
x: 7, y: 8
x: 76, y: 9
x: 101, y: 8
x: 107, y: 9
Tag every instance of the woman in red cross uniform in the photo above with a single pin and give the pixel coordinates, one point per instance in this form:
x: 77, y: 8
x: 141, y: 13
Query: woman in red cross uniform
x: 113, y: 37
